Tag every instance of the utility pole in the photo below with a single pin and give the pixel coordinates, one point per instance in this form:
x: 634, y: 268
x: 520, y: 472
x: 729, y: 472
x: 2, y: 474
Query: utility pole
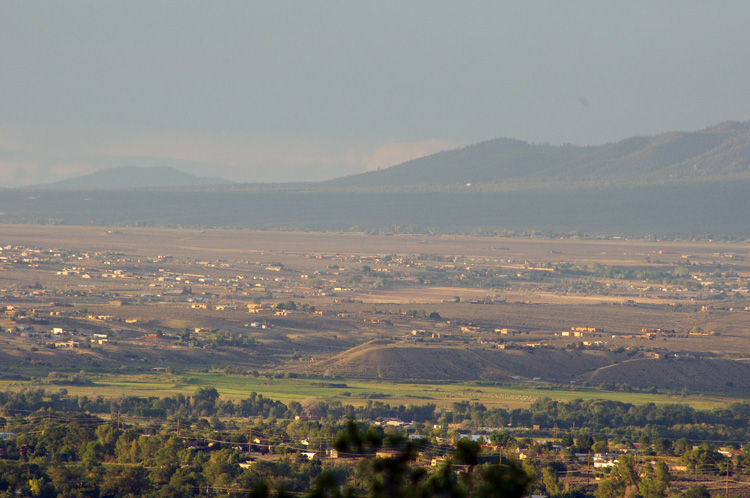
x: 726, y: 489
x: 588, y: 469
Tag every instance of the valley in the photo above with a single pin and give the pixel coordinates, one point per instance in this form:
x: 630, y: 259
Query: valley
x: 610, y: 314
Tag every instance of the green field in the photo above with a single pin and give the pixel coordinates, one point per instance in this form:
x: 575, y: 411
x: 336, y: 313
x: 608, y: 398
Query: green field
x: 356, y: 392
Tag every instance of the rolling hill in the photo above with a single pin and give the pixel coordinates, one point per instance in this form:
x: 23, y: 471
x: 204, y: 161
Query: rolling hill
x: 712, y: 374
x: 392, y: 361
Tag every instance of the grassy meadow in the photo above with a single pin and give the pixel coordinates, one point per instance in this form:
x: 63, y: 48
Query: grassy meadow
x: 356, y: 392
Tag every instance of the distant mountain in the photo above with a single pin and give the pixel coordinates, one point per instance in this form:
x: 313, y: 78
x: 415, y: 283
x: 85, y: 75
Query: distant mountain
x: 672, y: 184
x: 717, y: 152
x: 133, y: 177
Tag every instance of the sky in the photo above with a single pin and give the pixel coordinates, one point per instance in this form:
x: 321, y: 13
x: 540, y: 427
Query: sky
x: 297, y: 91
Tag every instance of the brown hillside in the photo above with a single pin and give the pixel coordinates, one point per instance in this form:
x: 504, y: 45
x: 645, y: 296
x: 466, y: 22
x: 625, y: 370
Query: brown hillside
x: 395, y: 361
x: 697, y: 374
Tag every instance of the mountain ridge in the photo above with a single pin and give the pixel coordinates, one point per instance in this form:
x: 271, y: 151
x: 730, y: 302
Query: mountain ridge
x: 673, y: 184
x: 720, y: 150
x: 132, y: 177
x: 716, y: 152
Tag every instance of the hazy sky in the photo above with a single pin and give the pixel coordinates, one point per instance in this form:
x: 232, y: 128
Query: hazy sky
x: 285, y: 91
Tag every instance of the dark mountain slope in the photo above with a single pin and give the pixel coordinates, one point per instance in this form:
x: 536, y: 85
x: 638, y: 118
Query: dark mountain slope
x: 712, y: 153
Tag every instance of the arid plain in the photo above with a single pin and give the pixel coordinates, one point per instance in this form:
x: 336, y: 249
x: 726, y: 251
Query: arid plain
x: 636, y: 316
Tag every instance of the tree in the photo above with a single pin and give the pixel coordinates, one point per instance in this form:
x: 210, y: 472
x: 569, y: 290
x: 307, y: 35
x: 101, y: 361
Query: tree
x: 655, y: 482
x: 41, y: 489
x: 681, y: 272
x: 704, y: 460
x: 533, y: 467
x: 396, y: 477
x: 682, y: 446
x: 697, y: 492
x: 222, y: 468
x: 443, y: 483
x: 609, y: 488
x: 662, y: 446
x: 551, y: 480
x: 312, y: 407
x: 186, y: 480
x: 205, y: 399
x: 295, y: 407
x: 584, y: 442
x: 352, y: 440
x: 623, y: 477
x: 600, y: 446
x: 166, y: 460
x: 327, y: 485
x: 508, y: 481
x: 467, y: 452
x: 662, y: 472
x: 94, y: 453
x: 129, y: 479
x: 625, y: 469
x: 503, y: 439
